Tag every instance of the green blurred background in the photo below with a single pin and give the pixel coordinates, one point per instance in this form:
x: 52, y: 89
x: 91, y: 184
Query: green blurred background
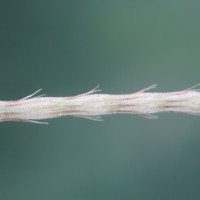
x: 69, y: 47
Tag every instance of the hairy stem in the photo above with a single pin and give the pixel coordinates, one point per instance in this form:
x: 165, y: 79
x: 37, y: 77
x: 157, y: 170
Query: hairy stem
x: 92, y: 106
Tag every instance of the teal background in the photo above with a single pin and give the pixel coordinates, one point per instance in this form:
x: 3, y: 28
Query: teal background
x: 69, y: 47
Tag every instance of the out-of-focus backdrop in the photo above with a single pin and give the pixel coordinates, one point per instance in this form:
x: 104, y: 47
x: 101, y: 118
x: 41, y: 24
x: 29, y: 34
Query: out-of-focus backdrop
x: 69, y: 47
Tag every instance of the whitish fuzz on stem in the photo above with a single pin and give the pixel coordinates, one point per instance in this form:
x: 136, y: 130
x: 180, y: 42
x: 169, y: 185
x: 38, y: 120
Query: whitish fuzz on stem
x: 92, y: 106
